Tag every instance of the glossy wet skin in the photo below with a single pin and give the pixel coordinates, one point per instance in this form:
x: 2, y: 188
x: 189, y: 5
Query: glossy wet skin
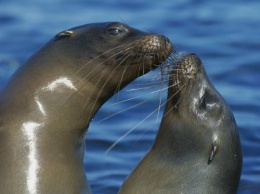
x: 197, y: 149
x: 48, y: 103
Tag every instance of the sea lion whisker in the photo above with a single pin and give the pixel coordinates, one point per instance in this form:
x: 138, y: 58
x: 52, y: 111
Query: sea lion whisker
x: 136, y: 105
x: 132, y: 129
x: 175, y: 106
x: 128, y: 60
x: 98, y: 56
x: 82, y: 79
x: 119, y: 112
x: 141, y: 66
x: 142, y: 88
x: 129, y: 99
x: 177, y: 56
x: 107, y: 59
x: 128, y: 64
x: 151, y: 85
x: 95, y: 86
x: 121, y: 59
x: 160, y: 105
x: 170, y: 63
x: 148, y: 84
x: 176, y: 69
x: 90, y: 96
x: 110, y: 75
x: 101, y: 76
x: 96, y: 67
x: 80, y: 87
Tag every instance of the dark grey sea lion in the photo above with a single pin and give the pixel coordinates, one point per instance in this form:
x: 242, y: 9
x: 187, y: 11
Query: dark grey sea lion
x: 197, y: 149
x: 50, y: 101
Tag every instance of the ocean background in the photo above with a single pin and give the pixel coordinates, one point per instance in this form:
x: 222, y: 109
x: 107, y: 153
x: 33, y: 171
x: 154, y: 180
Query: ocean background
x: 224, y: 33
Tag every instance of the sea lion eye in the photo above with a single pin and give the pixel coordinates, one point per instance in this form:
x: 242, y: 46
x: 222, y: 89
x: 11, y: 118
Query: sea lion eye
x: 114, y: 31
x: 207, y: 101
x: 203, y: 103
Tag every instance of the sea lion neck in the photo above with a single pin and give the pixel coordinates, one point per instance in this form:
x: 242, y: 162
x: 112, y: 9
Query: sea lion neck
x: 187, y: 85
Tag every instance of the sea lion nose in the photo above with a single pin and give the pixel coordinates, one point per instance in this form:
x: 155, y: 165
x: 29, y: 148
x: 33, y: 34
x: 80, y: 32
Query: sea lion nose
x: 168, y: 44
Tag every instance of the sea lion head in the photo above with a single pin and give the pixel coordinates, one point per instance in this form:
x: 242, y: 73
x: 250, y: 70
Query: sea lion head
x: 90, y: 63
x: 115, y: 48
x: 203, y: 128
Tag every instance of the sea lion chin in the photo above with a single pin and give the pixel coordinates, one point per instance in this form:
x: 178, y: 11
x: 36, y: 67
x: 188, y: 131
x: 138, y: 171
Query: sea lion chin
x: 197, y: 148
x: 48, y: 103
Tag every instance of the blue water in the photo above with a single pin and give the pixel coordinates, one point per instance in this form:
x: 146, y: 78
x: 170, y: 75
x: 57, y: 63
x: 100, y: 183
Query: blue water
x: 224, y: 33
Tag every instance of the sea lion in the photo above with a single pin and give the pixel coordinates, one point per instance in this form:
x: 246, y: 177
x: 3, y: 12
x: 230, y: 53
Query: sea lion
x: 197, y: 148
x: 50, y: 100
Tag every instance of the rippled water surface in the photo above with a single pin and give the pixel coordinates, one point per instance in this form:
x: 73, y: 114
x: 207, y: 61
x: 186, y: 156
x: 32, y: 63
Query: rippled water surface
x: 225, y: 34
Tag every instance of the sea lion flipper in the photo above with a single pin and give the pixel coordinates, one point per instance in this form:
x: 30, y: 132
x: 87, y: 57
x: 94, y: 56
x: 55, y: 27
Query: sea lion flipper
x: 214, y: 149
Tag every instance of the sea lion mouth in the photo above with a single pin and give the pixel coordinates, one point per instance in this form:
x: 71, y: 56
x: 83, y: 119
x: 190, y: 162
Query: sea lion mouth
x: 183, y: 68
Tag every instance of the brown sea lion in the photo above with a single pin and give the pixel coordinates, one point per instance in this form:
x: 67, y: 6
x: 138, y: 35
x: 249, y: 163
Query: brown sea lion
x: 197, y: 148
x: 49, y: 102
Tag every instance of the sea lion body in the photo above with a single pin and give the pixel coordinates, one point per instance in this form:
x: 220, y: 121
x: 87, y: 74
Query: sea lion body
x: 48, y: 103
x: 197, y: 148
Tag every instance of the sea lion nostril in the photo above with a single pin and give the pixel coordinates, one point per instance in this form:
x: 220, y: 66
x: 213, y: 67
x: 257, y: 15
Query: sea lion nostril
x: 167, y: 41
x: 168, y: 44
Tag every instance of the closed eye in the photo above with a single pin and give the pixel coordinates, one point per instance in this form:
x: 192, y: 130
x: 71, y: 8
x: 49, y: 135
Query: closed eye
x: 114, y: 31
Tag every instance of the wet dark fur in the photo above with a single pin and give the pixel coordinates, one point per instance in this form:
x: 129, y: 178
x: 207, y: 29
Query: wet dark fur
x: 197, y: 148
x: 48, y: 103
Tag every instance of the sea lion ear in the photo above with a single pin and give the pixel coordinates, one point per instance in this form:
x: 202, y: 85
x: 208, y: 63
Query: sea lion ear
x: 64, y: 34
x: 213, y: 152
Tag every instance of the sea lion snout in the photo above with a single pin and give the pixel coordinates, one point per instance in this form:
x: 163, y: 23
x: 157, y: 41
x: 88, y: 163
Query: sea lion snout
x: 152, y: 43
x: 187, y: 67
